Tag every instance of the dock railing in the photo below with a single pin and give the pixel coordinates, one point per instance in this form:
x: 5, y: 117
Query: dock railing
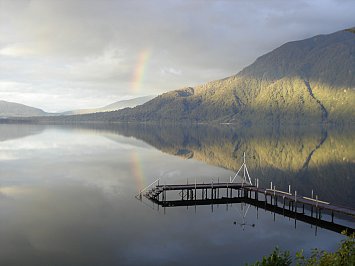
x: 144, y: 189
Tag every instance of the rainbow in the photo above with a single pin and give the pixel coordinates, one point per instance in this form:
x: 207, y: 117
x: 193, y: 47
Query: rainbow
x: 139, y: 71
x: 137, y: 171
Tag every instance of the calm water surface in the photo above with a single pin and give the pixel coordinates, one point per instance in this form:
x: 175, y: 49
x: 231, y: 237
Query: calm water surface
x: 67, y: 194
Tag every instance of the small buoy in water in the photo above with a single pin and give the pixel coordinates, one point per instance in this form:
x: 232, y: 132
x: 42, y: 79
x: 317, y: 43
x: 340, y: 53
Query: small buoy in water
x: 234, y: 222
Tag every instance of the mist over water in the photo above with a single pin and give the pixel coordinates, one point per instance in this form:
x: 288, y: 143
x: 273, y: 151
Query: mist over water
x: 67, y: 194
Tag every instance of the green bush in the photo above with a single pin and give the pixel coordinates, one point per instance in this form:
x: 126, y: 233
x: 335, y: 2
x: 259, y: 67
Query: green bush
x: 344, y: 256
x: 277, y: 258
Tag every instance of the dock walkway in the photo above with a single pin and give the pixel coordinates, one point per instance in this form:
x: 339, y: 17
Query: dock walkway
x: 309, y: 208
x: 189, y: 191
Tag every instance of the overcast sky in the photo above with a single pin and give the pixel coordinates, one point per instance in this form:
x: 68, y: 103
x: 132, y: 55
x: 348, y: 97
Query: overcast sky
x: 64, y: 54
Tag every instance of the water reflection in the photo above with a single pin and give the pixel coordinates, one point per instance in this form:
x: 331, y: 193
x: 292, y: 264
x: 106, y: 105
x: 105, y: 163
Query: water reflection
x: 15, y: 131
x: 67, y: 193
x: 304, y: 214
x: 307, y: 158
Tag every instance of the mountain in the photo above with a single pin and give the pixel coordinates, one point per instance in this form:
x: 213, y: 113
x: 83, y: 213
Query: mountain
x: 310, y: 81
x: 307, y: 81
x: 112, y: 107
x: 10, y: 109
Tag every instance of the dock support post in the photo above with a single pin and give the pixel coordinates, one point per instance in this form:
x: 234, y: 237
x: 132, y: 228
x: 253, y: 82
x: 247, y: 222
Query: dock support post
x: 332, y: 217
x: 295, y: 201
x: 295, y: 223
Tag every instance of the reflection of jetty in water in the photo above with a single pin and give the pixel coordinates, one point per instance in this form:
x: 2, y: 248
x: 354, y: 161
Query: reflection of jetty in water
x: 306, y: 209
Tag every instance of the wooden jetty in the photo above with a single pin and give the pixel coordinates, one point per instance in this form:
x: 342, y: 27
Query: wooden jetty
x: 308, y: 209
x: 275, y: 197
x: 300, y: 208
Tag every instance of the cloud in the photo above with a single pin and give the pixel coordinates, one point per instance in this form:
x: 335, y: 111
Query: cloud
x: 105, y: 67
x: 56, y: 97
x: 170, y: 71
x: 15, y: 50
x: 91, y: 47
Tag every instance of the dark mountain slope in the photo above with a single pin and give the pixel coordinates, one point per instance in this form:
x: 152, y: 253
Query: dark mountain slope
x: 324, y: 58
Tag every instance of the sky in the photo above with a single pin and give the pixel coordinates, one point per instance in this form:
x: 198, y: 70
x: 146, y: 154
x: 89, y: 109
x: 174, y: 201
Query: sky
x: 60, y: 55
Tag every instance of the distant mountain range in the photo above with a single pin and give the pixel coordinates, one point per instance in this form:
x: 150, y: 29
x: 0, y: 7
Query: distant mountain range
x: 112, y: 107
x: 301, y: 82
x: 11, y: 109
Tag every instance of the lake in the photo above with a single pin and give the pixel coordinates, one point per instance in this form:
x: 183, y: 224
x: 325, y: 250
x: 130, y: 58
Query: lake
x: 67, y: 193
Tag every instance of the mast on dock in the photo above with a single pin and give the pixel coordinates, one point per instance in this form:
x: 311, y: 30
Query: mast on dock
x: 246, y: 177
